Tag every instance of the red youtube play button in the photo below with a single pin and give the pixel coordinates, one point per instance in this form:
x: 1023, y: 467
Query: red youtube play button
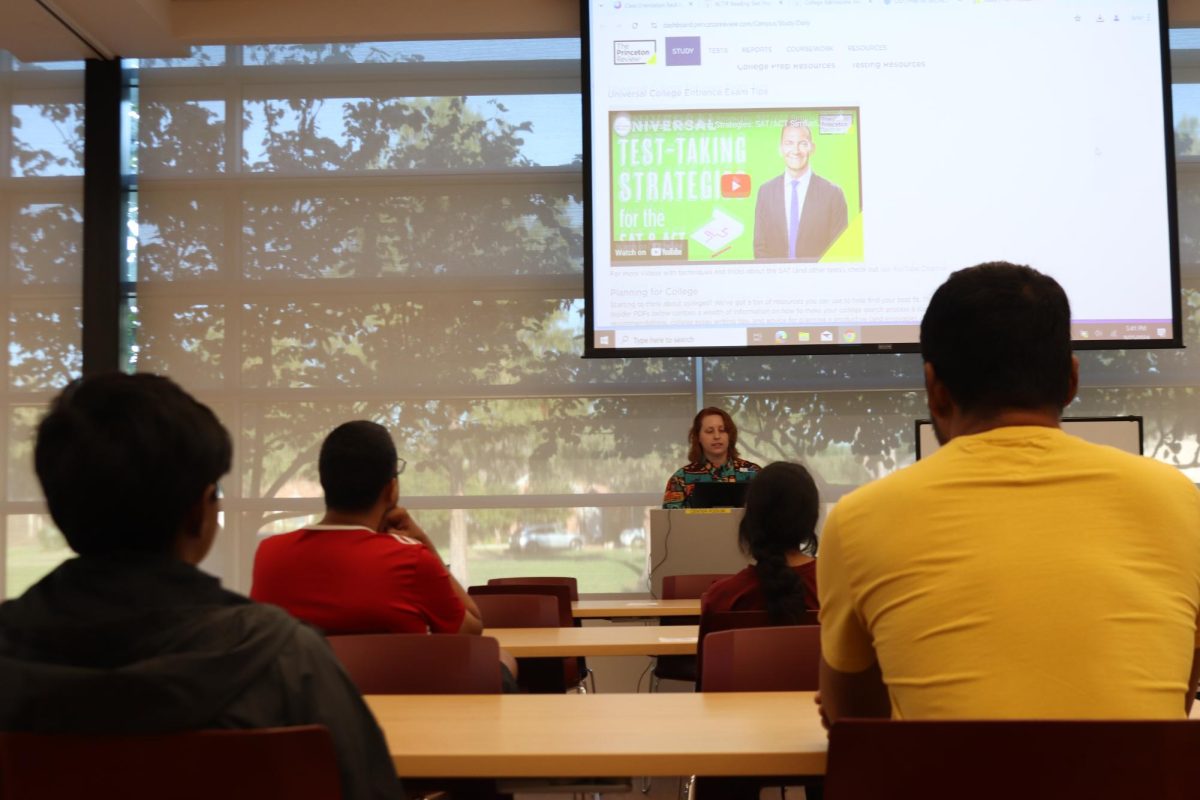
x: 736, y: 184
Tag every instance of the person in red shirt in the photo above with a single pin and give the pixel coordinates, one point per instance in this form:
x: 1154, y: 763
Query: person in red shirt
x: 779, y: 530
x: 367, y: 566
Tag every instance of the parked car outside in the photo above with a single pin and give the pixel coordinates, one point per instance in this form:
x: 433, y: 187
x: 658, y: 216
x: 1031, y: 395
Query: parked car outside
x: 633, y: 538
x: 544, y: 536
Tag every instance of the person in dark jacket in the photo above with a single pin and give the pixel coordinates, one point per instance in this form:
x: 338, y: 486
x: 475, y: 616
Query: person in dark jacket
x: 130, y: 637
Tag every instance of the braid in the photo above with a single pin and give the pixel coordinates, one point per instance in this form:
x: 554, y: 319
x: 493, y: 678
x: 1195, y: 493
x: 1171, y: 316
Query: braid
x: 782, y: 588
x: 782, y: 505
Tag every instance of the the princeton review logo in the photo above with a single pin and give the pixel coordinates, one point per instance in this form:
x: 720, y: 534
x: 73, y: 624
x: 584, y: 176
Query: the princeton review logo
x: 635, y: 51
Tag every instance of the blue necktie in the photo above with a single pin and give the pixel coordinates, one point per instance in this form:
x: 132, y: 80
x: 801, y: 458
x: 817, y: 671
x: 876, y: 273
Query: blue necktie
x: 794, y: 219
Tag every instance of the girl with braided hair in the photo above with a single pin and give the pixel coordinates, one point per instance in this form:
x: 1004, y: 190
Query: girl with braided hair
x: 779, y: 531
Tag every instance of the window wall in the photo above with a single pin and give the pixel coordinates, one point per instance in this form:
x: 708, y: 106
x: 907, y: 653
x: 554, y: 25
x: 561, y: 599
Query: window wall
x: 41, y: 227
x: 394, y: 232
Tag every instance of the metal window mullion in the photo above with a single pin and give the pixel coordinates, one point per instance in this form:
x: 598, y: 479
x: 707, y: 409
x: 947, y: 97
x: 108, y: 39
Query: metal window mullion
x: 8, y: 207
x: 465, y: 393
x: 235, y: 279
x: 6, y: 211
x: 103, y: 216
x: 414, y: 73
x: 566, y: 176
x: 4, y: 547
x: 419, y: 88
x: 6, y: 125
x: 231, y: 268
x: 51, y: 80
x: 472, y: 286
x: 56, y: 187
x: 470, y: 502
x: 1185, y: 70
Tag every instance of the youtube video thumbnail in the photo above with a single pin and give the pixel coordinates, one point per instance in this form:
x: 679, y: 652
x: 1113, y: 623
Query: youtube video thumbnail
x: 720, y: 186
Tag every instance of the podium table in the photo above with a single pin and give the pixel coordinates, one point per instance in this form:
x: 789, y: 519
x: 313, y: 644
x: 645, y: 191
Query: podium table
x: 686, y: 541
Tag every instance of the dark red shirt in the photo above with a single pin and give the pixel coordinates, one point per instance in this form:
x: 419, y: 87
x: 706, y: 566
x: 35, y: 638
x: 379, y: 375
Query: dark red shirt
x: 353, y: 580
x: 741, y: 592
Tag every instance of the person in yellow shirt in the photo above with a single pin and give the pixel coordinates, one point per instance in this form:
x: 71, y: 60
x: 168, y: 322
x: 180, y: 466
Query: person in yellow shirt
x: 1018, y: 572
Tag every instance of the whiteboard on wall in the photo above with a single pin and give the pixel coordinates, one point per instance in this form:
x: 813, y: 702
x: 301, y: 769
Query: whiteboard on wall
x: 1123, y: 433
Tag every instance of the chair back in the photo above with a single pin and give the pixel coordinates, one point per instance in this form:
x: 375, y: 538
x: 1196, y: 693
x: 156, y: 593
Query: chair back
x: 518, y: 610
x: 783, y: 658
x: 713, y: 621
x: 420, y: 663
x: 572, y: 583
x: 261, y: 764
x: 689, y: 587
x: 560, y: 592
x: 1000, y: 760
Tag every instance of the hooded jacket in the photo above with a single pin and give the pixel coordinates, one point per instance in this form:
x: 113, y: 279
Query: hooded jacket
x: 153, y: 645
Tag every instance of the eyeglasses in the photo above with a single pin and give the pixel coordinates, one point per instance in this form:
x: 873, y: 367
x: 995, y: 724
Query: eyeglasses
x: 400, y: 465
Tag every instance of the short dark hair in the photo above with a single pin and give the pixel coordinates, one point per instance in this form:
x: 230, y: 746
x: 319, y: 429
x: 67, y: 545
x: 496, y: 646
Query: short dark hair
x: 999, y: 336
x: 695, y: 451
x: 123, y: 459
x: 782, y: 506
x: 357, y: 461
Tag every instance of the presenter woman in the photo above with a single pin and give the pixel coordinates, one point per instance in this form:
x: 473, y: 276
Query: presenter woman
x: 779, y: 531
x: 712, y: 458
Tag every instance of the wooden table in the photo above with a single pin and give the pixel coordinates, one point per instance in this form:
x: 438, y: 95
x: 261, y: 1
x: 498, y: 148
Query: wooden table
x: 607, y: 640
x: 614, y: 609
x: 602, y: 735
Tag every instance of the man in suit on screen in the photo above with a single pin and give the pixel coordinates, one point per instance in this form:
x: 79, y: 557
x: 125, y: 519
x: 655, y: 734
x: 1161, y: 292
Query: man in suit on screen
x: 798, y: 214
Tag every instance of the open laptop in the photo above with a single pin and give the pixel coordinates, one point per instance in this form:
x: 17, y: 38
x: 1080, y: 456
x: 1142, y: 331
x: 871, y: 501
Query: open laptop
x: 718, y: 495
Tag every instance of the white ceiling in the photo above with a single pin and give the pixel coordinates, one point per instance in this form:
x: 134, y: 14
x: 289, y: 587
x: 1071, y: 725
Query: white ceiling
x: 65, y: 30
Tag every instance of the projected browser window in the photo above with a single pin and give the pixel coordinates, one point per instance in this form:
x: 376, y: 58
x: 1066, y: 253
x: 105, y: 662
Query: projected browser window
x: 805, y: 173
